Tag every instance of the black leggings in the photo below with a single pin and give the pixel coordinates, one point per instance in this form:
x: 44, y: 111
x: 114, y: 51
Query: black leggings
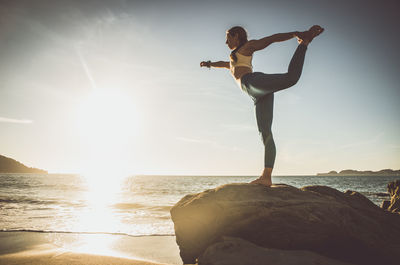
x: 261, y: 88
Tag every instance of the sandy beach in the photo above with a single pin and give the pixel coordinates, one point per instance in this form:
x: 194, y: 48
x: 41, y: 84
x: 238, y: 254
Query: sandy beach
x: 68, y: 248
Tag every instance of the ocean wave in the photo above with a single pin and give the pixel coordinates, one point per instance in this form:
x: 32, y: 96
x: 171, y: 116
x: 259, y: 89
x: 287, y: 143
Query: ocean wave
x: 26, y: 200
x: 129, y: 206
x: 36, y: 201
x: 80, y: 232
x: 166, y: 208
x: 377, y: 194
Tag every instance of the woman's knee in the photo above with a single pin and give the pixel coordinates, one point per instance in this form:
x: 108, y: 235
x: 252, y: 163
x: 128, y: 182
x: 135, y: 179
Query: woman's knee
x: 288, y: 80
x: 266, y: 136
x: 293, y: 78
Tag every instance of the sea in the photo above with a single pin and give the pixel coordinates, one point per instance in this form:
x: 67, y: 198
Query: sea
x: 134, y: 205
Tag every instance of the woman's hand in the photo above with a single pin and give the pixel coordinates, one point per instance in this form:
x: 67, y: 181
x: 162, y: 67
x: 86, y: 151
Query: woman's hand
x: 219, y: 64
x: 205, y: 64
x: 308, y: 35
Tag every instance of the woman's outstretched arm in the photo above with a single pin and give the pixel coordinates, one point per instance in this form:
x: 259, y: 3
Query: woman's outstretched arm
x: 219, y: 64
x: 256, y: 45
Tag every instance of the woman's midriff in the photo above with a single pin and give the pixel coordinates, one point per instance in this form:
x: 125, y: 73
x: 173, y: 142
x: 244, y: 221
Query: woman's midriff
x: 240, y: 71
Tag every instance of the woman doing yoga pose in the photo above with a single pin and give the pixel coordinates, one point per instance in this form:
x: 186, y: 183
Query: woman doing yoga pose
x: 260, y: 86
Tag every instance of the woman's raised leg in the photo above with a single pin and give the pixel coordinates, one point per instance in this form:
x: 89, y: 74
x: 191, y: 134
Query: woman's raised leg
x: 261, y: 84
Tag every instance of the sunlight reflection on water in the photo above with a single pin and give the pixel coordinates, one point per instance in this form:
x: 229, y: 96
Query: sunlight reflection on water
x: 134, y: 205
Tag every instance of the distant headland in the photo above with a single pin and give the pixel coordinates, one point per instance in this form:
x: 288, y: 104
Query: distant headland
x: 9, y: 165
x: 351, y: 172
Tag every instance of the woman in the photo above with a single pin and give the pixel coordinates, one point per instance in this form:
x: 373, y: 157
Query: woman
x: 260, y: 86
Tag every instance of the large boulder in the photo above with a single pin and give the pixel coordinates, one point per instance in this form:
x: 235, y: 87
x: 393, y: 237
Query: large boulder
x: 237, y: 251
x: 343, y: 226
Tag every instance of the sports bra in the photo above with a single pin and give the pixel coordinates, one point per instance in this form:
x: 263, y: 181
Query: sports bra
x: 242, y: 60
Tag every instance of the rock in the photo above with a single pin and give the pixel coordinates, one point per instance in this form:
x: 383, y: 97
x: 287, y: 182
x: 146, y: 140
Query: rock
x: 237, y: 251
x: 344, y: 226
x: 394, y: 191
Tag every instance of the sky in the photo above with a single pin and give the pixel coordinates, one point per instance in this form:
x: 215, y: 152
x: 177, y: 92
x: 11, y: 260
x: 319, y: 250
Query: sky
x: 116, y: 86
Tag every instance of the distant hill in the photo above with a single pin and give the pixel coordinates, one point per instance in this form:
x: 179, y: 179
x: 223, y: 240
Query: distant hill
x: 9, y: 165
x: 350, y: 172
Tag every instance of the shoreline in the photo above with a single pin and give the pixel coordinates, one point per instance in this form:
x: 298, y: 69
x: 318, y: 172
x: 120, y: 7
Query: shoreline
x: 68, y: 248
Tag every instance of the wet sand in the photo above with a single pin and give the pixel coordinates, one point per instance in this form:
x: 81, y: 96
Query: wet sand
x: 68, y: 248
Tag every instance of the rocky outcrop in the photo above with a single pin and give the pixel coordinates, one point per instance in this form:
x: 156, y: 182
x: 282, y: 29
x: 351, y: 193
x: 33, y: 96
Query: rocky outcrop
x: 237, y: 251
x: 346, y: 226
x: 394, y: 204
x: 351, y: 172
x: 9, y: 165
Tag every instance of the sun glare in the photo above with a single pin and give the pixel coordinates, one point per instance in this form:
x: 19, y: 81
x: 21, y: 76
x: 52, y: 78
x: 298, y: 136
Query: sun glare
x: 105, y: 116
x: 107, y: 122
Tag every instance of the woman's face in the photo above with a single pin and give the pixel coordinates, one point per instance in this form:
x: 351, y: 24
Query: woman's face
x: 231, y: 41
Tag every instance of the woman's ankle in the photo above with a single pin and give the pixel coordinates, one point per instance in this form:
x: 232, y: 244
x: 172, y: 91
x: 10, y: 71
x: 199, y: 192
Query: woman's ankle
x: 305, y: 42
x: 267, y: 172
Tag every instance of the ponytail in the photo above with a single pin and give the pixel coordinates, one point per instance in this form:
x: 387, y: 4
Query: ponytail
x: 233, y: 53
x: 242, y: 34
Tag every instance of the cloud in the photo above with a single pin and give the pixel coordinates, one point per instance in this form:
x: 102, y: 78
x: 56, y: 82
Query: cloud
x: 2, y: 119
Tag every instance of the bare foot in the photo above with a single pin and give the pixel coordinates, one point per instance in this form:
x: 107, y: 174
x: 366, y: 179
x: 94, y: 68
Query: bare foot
x: 309, y: 35
x: 262, y: 181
